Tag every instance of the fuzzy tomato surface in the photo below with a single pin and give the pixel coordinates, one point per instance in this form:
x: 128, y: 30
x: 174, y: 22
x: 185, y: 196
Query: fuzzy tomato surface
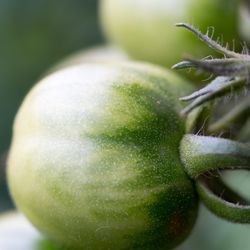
x: 94, y: 161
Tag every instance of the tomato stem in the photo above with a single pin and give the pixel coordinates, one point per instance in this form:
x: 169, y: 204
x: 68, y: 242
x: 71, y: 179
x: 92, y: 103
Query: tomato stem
x: 201, y: 154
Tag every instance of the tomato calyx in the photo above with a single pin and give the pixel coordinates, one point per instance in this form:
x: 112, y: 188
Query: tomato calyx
x: 219, y: 87
x: 204, y: 157
x: 232, y: 79
x: 237, y: 115
x: 197, y: 121
x: 232, y: 72
x: 210, y: 42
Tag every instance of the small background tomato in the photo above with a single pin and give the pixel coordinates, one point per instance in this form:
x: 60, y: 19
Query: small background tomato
x: 145, y: 28
x: 98, y: 54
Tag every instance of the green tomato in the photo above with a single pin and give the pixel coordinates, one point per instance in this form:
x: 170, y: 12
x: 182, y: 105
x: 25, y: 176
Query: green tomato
x: 94, y: 161
x: 98, y: 54
x: 146, y: 30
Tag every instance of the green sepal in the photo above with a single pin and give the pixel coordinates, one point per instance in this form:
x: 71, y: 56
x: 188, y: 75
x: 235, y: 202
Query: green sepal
x: 210, y: 42
x: 232, y: 71
x: 244, y: 134
x: 223, y: 201
x: 234, y: 119
x: 197, y: 121
x: 219, y: 87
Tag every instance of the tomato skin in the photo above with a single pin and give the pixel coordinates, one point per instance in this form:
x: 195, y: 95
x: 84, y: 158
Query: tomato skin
x: 146, y: 30
x: 94, y: 161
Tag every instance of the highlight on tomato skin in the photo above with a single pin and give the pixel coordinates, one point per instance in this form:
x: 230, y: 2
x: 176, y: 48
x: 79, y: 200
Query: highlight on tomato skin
x: 98, y: 148
x: 146, y: 30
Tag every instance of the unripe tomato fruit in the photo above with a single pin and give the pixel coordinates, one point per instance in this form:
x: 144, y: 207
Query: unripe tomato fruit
x: 146, y: 30
x: 94, y: 162
x: 97, y: 54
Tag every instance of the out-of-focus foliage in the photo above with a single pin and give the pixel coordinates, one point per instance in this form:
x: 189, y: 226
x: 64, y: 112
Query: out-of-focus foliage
x: 34, y: 35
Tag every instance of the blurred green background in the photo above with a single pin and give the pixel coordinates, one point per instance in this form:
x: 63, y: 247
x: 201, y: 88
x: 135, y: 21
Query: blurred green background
x: 34, y: 36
